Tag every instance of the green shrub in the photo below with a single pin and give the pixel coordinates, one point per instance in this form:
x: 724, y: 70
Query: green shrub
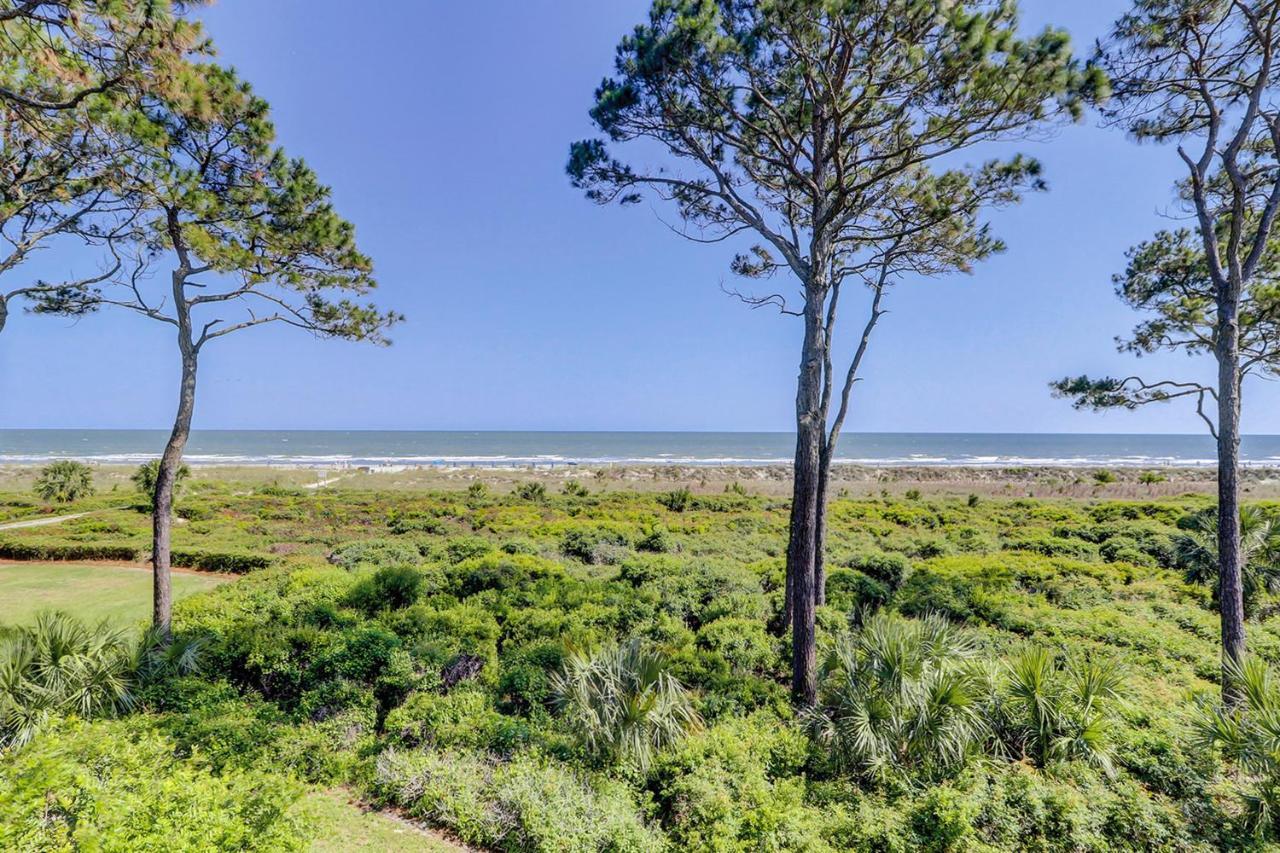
x: 889, y: 569
x: 1246, y: 735
x: 734, y: 787
x: 29, y: 550
x: 194, y: 511
x: 402, y: 524
x: 374, y: 553
x: 743, y: 643
x: 657, y: 540
x: 1196, y: 553
x: 120, y: 786
x: 1054, y: 713
x: 214, y: 561
x: 532, y: 491
x: 676, y: 501
x: 595, y: 546
x: 898, y: 699
x: 499, y: 571
x: 466, y: 547
x: 1103, y: 476
x: 463, y: 718
x: 574, y: 489
x: 527, y: 804
x: 622, y: 703
x: 144, y: 479
x: 850, y: 590
x: 64, y: 482
x: 525, y: 681
x: 389, y: 587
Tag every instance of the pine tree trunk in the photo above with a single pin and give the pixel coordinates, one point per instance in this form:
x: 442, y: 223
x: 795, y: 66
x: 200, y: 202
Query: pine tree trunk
x: 788, y: 601
x: 4, y: 311
x: 820, y: 529
x: 804, y: 510
x: 1229, y: 569
x: 166, y: 478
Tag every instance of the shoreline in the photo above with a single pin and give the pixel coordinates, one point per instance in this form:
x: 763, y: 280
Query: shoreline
x: 848, y: 480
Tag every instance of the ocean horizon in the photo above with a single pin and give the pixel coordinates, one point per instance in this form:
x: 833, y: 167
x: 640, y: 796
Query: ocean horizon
x: 480, y: 448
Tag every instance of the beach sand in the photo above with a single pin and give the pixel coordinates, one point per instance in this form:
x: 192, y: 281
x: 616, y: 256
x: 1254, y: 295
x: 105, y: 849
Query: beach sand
x: 772, y: 480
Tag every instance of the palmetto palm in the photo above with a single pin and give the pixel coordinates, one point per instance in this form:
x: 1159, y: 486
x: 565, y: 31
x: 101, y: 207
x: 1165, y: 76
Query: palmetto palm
x: 1197, y: 554
x: 61, y: 665
x: 900, y: 697
x: 622, y: 703
x: 1047, y: 713
x: 65, y: 481
x: 1249, y: 737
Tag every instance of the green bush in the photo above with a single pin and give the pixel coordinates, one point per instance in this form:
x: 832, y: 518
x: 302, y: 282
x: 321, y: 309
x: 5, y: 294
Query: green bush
x: 402, y: 524
x: 120, y: 786
x: 899, y: 699
x: 214, y: 561
x: 375, y: 553
x: 677, y: 501
x: 499, y: 571
x: 144, y: 479
x: 735, y: 787
x: 532, y: 491
x: 64, y: 482
x: 464, y: 718
x: 889, y: 569
x: 622, y: 703
x: 54, y: 551
x: 595, y: 546
x: 391, y: 587
x: 529, y: 803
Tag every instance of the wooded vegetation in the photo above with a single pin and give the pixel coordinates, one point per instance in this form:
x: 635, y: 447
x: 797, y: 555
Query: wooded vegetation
x: 610, y: 670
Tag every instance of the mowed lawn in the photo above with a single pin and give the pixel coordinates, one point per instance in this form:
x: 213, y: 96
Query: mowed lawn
x: 93, y: 593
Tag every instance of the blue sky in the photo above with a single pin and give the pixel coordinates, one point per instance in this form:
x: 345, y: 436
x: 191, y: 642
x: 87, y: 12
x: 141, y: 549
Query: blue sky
x: 443, y: 128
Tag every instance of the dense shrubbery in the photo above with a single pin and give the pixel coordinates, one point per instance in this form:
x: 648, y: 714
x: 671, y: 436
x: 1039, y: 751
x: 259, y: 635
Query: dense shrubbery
x: 120, y: 786
x: 970, y: 697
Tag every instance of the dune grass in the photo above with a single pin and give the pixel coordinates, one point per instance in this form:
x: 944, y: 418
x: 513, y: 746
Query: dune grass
x: 91, y: 592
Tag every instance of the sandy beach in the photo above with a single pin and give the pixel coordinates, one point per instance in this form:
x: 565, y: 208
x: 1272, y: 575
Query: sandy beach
x: 1260, y: 483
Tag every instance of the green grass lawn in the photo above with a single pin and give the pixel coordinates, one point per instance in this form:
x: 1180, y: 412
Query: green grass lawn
x: 343, y: 827
x: 91, y: 592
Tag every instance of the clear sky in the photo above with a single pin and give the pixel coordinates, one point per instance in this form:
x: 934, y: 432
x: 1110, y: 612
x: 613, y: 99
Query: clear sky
x: 443, y: 128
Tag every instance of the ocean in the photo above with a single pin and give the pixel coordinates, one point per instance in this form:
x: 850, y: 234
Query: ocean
x: 325, y: 449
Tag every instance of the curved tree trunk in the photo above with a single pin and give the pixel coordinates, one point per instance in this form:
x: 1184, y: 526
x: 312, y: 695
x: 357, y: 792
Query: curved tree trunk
x: 1229, y: 568
x: 804, y: 511
x: 4, y: 311
x: 166, y: 477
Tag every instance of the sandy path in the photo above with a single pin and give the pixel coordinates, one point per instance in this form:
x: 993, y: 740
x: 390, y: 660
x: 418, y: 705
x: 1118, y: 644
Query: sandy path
x: 41, y: 522
x: 321, y: 483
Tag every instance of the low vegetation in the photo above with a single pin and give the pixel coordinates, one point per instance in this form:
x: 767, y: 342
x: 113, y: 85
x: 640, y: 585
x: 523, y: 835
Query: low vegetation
x: 566, y: 671
x: 65, y: 482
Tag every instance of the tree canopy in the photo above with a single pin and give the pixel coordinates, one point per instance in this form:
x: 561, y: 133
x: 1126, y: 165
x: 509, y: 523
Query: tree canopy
x: 827, y: 131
